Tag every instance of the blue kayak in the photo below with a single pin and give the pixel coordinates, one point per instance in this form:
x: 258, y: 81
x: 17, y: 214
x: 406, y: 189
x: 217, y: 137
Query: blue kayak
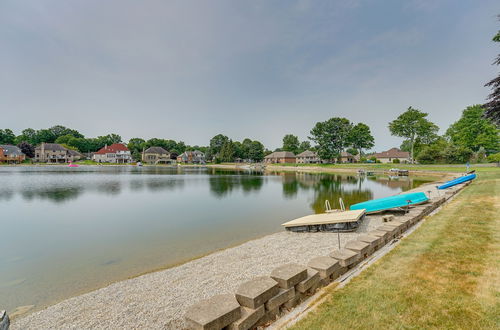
x: 392, y: 202
x: 456, y: 181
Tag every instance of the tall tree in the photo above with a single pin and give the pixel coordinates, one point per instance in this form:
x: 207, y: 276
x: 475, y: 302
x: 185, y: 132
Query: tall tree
x: 411, y: 125
x: 360, y: 137
x: 27, y: 149
x: 331, y: 137
x: 216, y: 144
x: 493, y: 106
x: 256, y: 151
x: 304, y: 145
x: 226, y: 153
x: 7, y: 136
x: 290, y: 143
x: 473, y: 131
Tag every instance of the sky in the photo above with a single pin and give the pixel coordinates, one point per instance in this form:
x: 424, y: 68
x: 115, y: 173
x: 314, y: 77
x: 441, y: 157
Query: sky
x: 188, y: 70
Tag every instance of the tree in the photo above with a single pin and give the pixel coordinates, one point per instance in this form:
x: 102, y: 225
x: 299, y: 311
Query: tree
x: 226, y: 153
x: 27, y: 149
x: 304, y: 145
x: 353, y: 151
x: 60, y: 130
x: 360, y: 137
x: 136, y: 146
x: 290, y: 143
x: 473, y: 131
x: 411, y: 125
x: 256, y: 151
x: 331, y: 137
x: 216, y: 144
x: 493, y: 106
x: 7, y: 136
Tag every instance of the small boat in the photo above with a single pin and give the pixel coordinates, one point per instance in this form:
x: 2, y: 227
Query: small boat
x: 456, y: 181
x: 72, y: 165
x: 139, y: 164
x: 392, y: 202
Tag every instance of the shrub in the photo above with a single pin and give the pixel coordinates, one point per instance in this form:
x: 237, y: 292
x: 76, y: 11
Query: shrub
x: 494, y: 158
x: 373, y: 159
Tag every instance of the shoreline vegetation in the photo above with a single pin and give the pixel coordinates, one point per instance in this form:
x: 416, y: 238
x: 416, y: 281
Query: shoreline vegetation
x: 439, y: 171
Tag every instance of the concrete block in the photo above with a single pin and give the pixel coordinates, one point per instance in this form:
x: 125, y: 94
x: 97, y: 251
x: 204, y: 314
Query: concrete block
x: 339, y: 272
x: 387, y: 218
x: 282, y: 297
x: 397, y: 224
x: 383, y: 235
x: 324, y: 265
x: 345, y: 257
x: 289, y: 275
x: 249, y: 317
x: 313, y: 277
x: 213, y: 313
x: 374, y: 241
x: 392, y: 231
x: 256, y: 292
x: 269, y: 317
x: 299, y: 297
x: 362, y: 248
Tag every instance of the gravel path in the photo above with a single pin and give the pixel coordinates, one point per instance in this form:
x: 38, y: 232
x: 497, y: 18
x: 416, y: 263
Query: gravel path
x: 158, y: 300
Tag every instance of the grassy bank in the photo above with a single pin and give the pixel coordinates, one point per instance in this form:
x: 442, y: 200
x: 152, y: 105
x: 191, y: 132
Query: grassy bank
x: 445, y: 275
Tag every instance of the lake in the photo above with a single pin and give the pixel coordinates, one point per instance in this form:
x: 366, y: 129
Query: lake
x: 66, y: 231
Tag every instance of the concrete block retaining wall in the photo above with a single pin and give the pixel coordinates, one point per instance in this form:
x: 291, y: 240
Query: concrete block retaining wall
x: 259, y: 302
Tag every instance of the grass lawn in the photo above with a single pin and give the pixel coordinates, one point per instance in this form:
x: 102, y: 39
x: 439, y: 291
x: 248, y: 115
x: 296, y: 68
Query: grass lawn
x: 445, y: 275
x: 439, y: 168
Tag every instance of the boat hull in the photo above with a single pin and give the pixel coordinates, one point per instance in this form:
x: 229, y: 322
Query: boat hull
x: 456, y: 181
x: 391, y: 202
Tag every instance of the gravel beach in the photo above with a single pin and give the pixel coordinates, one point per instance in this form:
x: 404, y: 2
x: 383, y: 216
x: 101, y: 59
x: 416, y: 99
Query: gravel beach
x: 159, y: 300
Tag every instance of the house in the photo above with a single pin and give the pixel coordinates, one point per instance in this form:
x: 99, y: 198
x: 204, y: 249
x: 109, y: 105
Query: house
x: 115, y: 153
x: 192, y: 157
x: 390, y: 155
x: 54, y: 153
x: 280, y: 157
x: 346, y: 157
x: 308, y: 157
x: 11, y: 154
x: 156, y: 155
x: 74, y: 155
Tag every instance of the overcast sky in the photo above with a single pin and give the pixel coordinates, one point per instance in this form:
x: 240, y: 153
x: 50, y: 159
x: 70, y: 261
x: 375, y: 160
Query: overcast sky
x: 188, y: 70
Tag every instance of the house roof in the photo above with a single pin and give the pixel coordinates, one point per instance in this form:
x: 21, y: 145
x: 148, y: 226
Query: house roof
x: 346, y: 154
x: 51, y: 146
x: 281, y: 154
x: 112, y: 149
x: 74, y: 152
x: 308, y: 153
x: 392, y: 153
x: 10, y: 150
x: 195, y: 153
x: 156, y: 150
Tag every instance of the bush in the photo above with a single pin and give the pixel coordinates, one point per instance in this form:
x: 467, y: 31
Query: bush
x: 494, y: 158
x: 373, y: 159
x: 457, y: 155
x: 363, y: 160
x: 396, y: 161
x: 430, y: 155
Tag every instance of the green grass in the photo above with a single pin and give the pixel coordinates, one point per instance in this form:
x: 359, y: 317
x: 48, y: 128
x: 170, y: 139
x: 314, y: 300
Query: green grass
x: 445, y: 275
x: 434, y: 168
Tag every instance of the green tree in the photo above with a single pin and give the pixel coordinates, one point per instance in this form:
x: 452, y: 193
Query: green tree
x: 411, y: 125
x: 353, y: 151
x: 304, y: 145
x: 7, y: 136
x: 226, y: 153
x: 136, y: 146
x: 27, y: 135
x: 216, y: 144
x: 360, y: 137
x: 27, y: 149
x: 473, y: 131
x: 60, y: 130
x: 493, y: 106
x: 256, y: 151
x: 290, y: 143
x: 331, y: 137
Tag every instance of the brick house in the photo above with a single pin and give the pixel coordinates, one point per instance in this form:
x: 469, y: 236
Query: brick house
x: 308, y: 157
x: 156, y: 155
x: 54, y: 153
x: 280, y: 157
x: 11, y: 154
x: 116, y: 153
x: 391, y: 154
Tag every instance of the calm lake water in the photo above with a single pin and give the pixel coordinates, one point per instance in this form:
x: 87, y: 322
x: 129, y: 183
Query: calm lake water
x: 64, y: 231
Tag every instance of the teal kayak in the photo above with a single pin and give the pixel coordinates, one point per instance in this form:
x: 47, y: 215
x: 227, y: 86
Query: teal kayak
x: 456, y: 181
x: 392, y: 202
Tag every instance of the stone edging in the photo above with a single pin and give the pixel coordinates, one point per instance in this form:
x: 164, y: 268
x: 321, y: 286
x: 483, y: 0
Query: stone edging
x: 261, y: 301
